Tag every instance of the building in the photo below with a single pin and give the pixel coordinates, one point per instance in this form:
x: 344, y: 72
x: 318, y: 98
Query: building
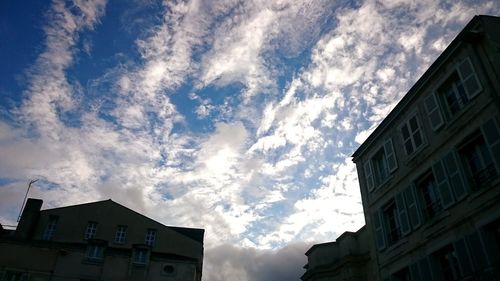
x: 346, y: 259
x: 430, y: 172
x: 97, y: 241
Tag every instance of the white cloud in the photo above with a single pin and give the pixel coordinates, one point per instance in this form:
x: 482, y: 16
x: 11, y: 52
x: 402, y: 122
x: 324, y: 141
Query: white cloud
x: 271, y: 167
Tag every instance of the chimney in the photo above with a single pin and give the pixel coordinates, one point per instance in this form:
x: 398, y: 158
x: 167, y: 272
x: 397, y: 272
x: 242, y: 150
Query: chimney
x: 29, y: 218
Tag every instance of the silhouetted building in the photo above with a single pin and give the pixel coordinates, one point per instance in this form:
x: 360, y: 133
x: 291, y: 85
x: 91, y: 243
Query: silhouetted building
x: 430, y: 172
x: 346, y: 259
x: 98, y: 241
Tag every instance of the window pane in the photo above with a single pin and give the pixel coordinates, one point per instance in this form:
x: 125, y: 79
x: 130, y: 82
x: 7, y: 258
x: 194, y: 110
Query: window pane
x: 404, y: 131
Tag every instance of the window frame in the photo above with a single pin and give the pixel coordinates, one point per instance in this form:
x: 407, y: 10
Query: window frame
x: 140, y: 256
x: 372, y: 167
x: 121, y: 234
x: 463, y: 80
x: 95, y: 251
x: 50, y: 228
x: 411, y: 138
x: 91, y: 230
x: 150, y: 237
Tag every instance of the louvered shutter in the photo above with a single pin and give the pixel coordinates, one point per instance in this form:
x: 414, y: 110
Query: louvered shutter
x: 443, y: 185
x: 488, y: 239
x: 469, y: 78
x: 491, y: 132
x: 415, y: 273
x: 463, y: 257
x: 478, y: 254
x: 369, y: 175
x: 402, y: 214
x: 412, y: 206
x: 392, y: 162
x: 455, y: 175
x: 378, y: 225
x: 425, y: 269
x: 433, y: 111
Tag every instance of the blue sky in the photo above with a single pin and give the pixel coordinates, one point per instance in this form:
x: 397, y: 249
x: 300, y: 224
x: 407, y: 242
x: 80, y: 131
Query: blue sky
x: 235, y: 116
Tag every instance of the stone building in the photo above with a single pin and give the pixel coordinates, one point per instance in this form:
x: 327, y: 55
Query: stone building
x: 430, y: 172
x: 97, y: 241
x: 346, y: 259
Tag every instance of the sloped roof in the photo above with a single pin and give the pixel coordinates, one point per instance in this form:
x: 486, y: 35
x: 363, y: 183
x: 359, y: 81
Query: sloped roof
x: 195, y: 234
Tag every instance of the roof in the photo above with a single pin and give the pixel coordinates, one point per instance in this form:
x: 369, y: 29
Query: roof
x: 414, y: 90
x: 196, y: 234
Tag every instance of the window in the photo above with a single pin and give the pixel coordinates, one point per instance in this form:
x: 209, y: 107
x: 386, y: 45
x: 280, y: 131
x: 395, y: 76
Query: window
x: 402, y: 275
x: 459, y: 88
x: 169, y: 269
x: 50, y: 228
x: 121, y: 234
x: 477, y: 160
x: 15, y: 276
x: 429, y: 195
x: 150, y: 237
x: 95, y: 251
x: 91, y: 230
x: 391, y: 222
x: 378, y: 169
x: 412, y: 135
x: 448, y: 262
x: 140, y: 256
x: 453, y: 94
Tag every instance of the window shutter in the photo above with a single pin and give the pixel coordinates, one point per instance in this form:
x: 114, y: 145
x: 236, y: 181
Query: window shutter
x: 415, y: 272
x: 403, y: 214
x: 369, y: 175
x: 488, y: 239
x: 425, y: 269
x: 463, y: 257
x: 478, y: 253
x: 443, y: 185
x: 378, y: 225
x: 469, y: 78
x: 433, y: 111
x: 392, y: 163
x: 24, y: 277
x: 455, y: 175
x: 412, y: 206
x: 491, y: 132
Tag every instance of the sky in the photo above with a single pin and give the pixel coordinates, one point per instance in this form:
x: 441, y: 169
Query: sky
x: 238, y: 117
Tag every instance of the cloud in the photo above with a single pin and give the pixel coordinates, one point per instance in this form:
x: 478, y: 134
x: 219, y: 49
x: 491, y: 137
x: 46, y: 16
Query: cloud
x: 246, y: 264
x: 282, y: 93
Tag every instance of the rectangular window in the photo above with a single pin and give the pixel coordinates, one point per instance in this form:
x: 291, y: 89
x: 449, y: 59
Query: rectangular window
x: 121, y: 234
x: 140, y: 256
x: 447, y: 259
x: 379, y: 167
x: 453, y: 94
x: 150, y: 237
x: 91, y: 230
x: 391, y: 221
x: 429, y: 195
x: 15, y: 276
x: 478, y: 162
x: 457, y: 91
x: 95, y: 252
x: 50, y: 228
x: 412, y: 135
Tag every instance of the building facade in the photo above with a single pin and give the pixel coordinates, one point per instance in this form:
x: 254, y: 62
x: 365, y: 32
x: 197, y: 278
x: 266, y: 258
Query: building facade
x: 97, y: 241
x: 430, y: 172
x: 346, y: 259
